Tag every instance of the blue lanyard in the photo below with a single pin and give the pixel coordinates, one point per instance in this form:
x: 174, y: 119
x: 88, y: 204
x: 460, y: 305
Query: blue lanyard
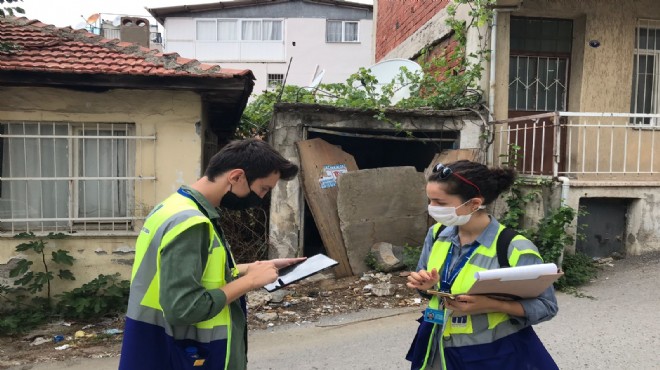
x: 230, y: 260
x: 448, y: 277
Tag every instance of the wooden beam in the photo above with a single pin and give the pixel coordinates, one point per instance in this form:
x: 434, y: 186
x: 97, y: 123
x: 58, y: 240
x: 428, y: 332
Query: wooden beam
x: 315, y: 155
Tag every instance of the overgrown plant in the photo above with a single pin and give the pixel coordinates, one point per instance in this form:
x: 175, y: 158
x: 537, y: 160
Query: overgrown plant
x: 105, y: 295
x: 9, y: 8
x: 448, y: 82
x: 411, y: 255
x: 35, y: 281
x: 26, y: 305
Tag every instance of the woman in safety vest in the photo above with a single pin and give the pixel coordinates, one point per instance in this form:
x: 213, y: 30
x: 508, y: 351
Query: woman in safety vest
x: 460, y: 331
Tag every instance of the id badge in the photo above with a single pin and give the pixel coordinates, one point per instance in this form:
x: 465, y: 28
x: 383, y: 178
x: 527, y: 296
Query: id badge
x: 434, y: 316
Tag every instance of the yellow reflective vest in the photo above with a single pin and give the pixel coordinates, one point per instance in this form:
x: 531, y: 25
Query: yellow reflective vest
x: 481, y: 328
x: 174, y: 215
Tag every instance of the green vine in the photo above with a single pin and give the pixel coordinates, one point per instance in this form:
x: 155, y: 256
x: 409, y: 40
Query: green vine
x: 448, y: 82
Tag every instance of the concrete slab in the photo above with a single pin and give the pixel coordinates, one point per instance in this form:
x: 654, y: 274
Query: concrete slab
x: 381, y: 205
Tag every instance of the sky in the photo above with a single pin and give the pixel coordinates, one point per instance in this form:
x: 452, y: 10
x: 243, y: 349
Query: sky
x: 72, y: 13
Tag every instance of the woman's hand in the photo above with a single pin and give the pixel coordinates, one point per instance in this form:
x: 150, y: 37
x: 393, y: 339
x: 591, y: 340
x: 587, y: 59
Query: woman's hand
x: 423, y: 280
x: 475, y: 304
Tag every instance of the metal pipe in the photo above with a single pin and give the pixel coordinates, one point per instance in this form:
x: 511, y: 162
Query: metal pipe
x: 565, y: 184
x: 493, y: 65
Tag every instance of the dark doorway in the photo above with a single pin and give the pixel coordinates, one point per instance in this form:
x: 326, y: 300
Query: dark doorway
x: 375, y: 153
x: 603, y: 226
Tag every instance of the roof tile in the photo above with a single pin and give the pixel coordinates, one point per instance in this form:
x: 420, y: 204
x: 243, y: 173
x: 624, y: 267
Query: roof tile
x: 44, y: 47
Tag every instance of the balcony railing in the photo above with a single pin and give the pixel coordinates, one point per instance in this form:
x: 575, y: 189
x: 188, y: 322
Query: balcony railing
x: 580, y: 145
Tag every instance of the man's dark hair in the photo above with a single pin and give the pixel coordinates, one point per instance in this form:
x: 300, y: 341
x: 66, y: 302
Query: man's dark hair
x: 255, y: 157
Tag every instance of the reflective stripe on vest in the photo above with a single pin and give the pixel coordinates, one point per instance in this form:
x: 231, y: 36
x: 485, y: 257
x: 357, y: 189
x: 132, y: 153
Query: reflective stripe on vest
x: 174, y: 215
x: 481, y: 328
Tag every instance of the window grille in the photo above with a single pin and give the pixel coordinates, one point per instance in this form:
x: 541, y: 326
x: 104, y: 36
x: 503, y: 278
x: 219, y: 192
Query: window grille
x: 645, y: 97
x: 276, y: 79
x: 537, y: 83
x: 341, y: 31
x: 72, y: 177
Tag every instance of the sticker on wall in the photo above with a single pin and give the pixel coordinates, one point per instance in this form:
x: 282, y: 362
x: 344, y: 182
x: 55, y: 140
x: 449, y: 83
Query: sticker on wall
x: 331, y: 175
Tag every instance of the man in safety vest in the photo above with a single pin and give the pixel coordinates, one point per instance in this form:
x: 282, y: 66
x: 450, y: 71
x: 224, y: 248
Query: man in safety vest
x: 187, y: 307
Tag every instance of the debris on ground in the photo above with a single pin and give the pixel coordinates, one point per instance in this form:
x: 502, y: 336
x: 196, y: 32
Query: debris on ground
x: 305, y: 302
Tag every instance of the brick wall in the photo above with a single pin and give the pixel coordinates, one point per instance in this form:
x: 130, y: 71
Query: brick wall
x: 398, y: 19
x: 444, y: 49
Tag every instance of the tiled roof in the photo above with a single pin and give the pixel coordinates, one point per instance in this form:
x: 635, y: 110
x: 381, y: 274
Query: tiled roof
x: 47, y: 48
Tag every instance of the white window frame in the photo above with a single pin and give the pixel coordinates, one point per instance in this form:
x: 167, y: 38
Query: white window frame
x: 76, y: 133
x: 343, y: 32
x: 239, y: 29
x: 655, y: 87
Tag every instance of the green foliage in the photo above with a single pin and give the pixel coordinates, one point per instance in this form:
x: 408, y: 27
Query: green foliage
x: 411, y: 255
x: 19, y: 320
x: 257, y: 115
x: 9, y: 8
x: 579, y: 269
x: 104, y: 295
x: 33, y: 281
x: 551, y: 237
x: 25, y: 307
x: 450, y: 82
x: 371, y: 261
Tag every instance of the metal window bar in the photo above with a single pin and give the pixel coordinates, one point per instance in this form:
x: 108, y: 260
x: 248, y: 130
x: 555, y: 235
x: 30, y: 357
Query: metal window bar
x: 645, y: 97
x: 540, y: 94
x: 21, y: 136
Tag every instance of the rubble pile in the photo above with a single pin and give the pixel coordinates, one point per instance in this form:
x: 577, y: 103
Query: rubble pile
x: 307, y: 302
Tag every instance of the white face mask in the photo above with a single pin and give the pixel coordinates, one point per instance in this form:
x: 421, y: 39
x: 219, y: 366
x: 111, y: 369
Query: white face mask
x: 447, y: 215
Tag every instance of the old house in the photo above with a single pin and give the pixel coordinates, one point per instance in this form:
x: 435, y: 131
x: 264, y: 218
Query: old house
x: 94, y: 132
x: 329, y: 39
x: 573, y: 84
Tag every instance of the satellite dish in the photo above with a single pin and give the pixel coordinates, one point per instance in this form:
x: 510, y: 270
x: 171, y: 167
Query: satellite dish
x: 317, y: 80
x: 387, y: 71
x: 116, y: 21
x: 80, y: 26
x: 93, y: 18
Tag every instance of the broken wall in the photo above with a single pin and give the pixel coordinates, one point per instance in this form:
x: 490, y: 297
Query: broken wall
x: 381, y: 205
x: 292, y: 122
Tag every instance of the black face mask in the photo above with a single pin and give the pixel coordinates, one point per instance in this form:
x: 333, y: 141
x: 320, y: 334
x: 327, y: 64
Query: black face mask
x: 236, y: 203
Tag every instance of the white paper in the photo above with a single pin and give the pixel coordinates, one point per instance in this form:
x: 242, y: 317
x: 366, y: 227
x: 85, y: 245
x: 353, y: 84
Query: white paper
x: 308, y: 267
x: 517, y: 273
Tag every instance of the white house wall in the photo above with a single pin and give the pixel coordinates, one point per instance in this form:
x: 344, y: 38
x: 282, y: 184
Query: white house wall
x: 339, y: 60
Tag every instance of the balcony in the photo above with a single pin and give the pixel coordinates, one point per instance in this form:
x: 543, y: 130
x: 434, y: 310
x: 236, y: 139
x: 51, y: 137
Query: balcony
x: 616, y: 147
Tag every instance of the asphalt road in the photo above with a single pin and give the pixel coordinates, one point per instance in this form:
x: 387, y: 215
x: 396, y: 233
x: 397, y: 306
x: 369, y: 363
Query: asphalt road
x: 618, y: 329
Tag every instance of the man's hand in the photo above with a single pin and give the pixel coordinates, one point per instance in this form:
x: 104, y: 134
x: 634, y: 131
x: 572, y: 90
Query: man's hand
x: 281, y: 263
x: 422, y: 279
x: 261, y: 273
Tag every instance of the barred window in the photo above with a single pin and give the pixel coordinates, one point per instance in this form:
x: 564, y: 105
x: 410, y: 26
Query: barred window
x: 645, y: 97
x: 68, y: 176
x: 275, y: 79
